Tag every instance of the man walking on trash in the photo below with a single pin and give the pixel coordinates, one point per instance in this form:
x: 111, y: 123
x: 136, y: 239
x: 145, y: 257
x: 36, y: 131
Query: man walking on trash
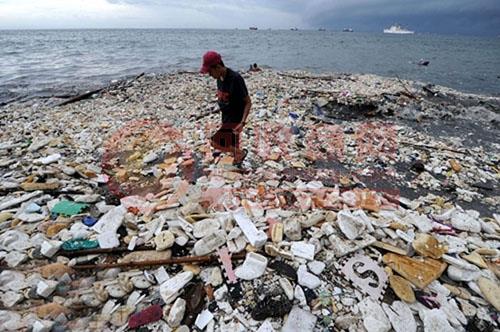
x: 234, y: 103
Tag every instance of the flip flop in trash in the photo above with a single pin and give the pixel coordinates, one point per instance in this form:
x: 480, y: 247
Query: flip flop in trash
x: 239, y: 163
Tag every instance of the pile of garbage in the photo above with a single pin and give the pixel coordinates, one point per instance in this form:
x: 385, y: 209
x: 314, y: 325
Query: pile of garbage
x: 350, y: 212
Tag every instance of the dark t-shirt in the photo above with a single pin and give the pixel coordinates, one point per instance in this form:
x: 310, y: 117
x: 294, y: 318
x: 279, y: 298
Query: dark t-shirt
x: 231, y: 93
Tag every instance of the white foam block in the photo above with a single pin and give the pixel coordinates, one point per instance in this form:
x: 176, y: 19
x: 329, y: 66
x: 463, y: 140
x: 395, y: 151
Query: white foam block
x: 254, y: 236
x: 302, y: 249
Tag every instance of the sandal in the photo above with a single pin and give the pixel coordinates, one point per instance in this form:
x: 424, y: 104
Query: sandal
x: 238, y: 164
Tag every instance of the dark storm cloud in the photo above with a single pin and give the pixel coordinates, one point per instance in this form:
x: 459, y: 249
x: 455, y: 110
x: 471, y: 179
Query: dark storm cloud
x: 445, y: 16
x: 433, y: 16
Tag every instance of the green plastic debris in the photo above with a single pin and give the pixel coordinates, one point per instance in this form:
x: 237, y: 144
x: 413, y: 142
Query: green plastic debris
x: 68, y: 208
x: 72, y: 245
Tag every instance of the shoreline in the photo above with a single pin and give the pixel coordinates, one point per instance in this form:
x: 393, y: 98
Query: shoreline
x: 455, y: 110
x: 61, y: 93
x: 343, y: 163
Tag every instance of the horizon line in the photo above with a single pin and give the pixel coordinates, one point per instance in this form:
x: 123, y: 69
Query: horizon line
x: 323, y: 29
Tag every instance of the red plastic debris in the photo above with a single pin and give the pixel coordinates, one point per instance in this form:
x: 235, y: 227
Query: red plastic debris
x: 133, y: 210
x: 150, y: 314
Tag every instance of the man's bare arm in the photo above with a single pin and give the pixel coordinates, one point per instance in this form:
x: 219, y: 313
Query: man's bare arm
x: 246, y: 111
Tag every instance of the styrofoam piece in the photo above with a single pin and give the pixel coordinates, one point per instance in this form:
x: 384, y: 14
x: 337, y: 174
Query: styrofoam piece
x: 435, y: 320
x: 302, y: 249
x: 132, y: 243
x: 253, y: 267
x: 12, y: 280
x: 350, y: 225
x: 203, y: 319
x: 11, y: 298
x: 205, y: 227
x: 15, y: 240
x: 266, y: 327
x: 306, y: 278
x: 256, y: 237
x: 164, y: 240
x: 176, y: 313
x: 316, y: 267
x: 16, y: 201
x: 423, y: 223
x: 49, y: 248
x: 299, y: 295
x: 400, y: 316
x: 299, y: 320
x: 45, y: 287
x: 111, y: 221
x: 210, y: 243
x: 108, y: 240
x: 42, y: 326
x: 374, y: 318
x: 108, y: 307
x: 287, y: 287
x: 48, y: 160
x: 465, y: 222
x: 169, y: 290
x: 161, y: 275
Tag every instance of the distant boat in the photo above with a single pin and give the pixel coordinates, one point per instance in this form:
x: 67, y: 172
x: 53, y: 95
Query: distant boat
x: 398, y: 29
x: 253, y: 28
x: 321, y: 29
x: 294, y: 29
x: 347, y: 30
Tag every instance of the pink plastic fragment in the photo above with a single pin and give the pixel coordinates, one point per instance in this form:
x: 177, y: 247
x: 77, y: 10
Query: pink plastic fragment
x: 227, y: 265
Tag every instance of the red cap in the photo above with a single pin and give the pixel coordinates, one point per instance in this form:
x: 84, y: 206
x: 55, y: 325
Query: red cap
x: 211, y: 58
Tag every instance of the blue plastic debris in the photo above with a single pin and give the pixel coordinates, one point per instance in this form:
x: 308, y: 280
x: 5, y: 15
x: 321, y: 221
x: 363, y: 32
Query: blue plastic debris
x: 295, y: 130
x: 89, y: 221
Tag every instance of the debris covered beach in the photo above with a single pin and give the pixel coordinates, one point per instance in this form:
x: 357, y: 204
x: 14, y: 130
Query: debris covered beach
x: 365, y: 203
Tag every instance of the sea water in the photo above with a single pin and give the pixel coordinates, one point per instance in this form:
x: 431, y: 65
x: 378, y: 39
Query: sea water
x: 55, y: 62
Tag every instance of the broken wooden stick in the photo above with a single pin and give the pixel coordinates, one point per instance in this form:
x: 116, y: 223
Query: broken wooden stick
x: 89, y: 94
x: 171, y: 261
x: 426, y: 146
x: 407, y: 92
x: 80, y: 97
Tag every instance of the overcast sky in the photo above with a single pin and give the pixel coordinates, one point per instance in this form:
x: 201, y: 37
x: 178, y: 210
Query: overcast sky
x: 479, y: 17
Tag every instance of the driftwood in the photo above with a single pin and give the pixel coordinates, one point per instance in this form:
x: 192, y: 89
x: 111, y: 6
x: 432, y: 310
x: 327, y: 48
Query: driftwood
x: 171, y: 261
x: 89, y: 94
x: 406, y: 92
x: 428, y: 90
x: 425, y: 146
x: 83, y: 96
x: 174, y: 260
x: 182, y: 72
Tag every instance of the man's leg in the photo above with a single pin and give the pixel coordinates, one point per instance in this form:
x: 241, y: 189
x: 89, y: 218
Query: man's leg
x: 222, y: 139
x: 239, y: 153
x: 227, y: 139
